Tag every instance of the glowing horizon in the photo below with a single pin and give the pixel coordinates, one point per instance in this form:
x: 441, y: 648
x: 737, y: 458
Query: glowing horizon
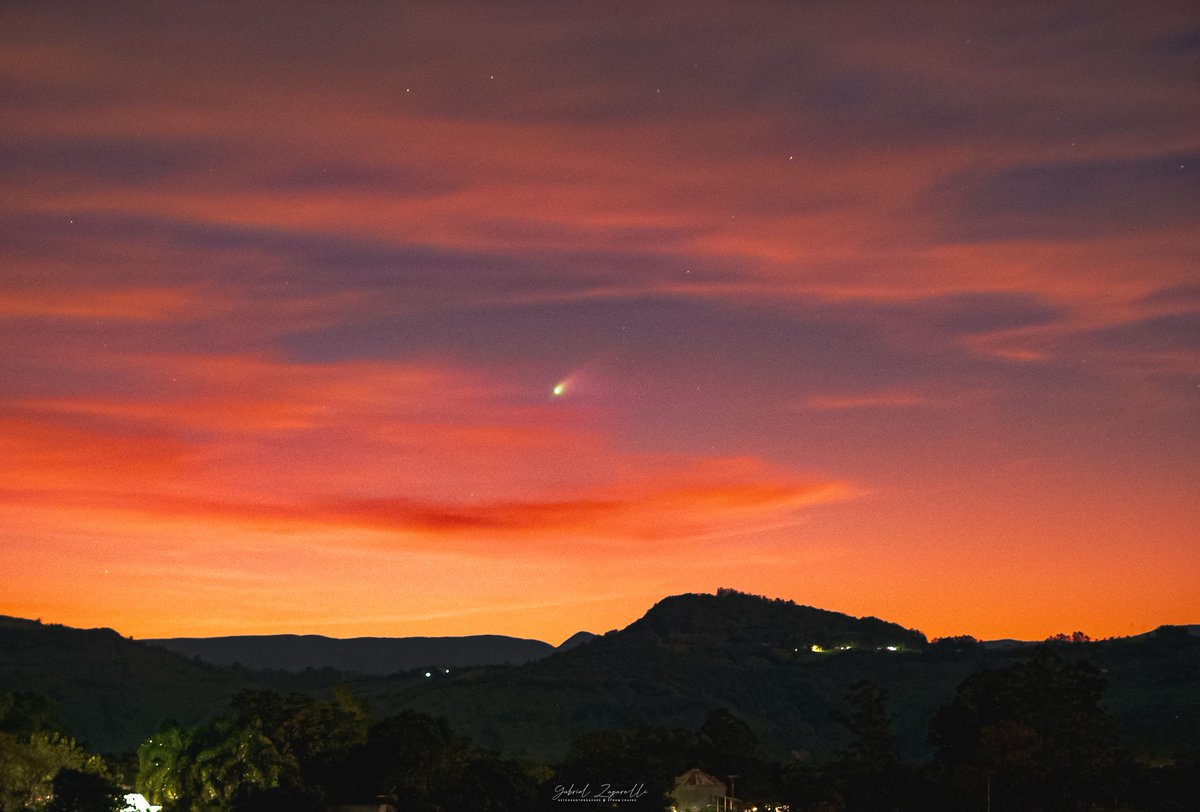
x: 442, y: 320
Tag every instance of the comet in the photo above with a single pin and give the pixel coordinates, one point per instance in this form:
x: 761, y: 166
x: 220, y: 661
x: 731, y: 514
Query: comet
x: 559, y: 389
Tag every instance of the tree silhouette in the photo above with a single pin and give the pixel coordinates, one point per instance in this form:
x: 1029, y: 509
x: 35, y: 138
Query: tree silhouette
x: 78, y: 791
x: 870, y: 725
x: 1033, y: 736
x: 313, y: 737
x: 869, y: 768
x: 640, y: 756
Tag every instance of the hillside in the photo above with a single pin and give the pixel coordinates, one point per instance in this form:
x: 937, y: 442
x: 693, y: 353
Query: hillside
x: 691, y: 654
x: 362, y: 655
x: 782, y: 668
x: 688, y: 655
x: 109, y: 690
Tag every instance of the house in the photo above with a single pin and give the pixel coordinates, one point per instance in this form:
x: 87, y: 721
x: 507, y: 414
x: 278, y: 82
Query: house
x: 136, y: 802
x: 697, y: 791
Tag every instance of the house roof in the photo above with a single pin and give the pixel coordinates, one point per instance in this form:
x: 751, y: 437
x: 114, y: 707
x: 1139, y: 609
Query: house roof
x: 698, y: 778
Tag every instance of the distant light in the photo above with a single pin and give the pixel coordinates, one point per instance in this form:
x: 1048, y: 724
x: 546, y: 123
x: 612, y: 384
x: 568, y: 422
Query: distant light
x: 893, y: 648
x: 428, y: 674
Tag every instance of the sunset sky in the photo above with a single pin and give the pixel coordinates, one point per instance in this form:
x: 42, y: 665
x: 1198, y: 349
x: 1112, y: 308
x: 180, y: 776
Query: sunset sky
x: 887, y: 308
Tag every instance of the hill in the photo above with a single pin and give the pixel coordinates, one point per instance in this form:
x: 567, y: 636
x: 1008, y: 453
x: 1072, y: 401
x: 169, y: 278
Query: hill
x: 782, y: 668
x: 577, y: 639
x: 688, y: 655
x: 111, y: 691
x: 363, y: 655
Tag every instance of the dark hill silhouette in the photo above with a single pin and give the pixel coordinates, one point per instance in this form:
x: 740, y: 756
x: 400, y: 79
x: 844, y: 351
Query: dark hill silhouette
x: 691, y: 654
x: 731, y: 617
x: 363, y: 655
x: 109, y: 690
x: 577, y: 639
x: 688, y: 655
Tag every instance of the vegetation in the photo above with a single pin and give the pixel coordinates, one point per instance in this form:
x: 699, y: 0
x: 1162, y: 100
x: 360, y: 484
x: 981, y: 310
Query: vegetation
x: 882, y: 722
x: 39, y: 763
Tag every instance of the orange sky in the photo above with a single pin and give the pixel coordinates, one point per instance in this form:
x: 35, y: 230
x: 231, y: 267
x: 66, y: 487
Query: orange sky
x: 888, y: 309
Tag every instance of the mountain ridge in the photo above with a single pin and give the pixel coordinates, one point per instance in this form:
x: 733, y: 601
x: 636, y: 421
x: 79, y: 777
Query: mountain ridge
x: 362, y: 655
x: 783, y: 668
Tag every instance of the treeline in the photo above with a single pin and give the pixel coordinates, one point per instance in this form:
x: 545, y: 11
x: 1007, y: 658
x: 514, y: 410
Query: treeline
x: 1031, y: 736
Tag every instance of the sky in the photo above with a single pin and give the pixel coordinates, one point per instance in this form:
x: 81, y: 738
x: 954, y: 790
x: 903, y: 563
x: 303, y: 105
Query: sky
x: 887, y: 308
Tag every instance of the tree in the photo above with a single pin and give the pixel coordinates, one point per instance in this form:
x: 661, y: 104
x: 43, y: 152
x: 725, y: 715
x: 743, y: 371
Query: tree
x: 23, y: 713
x: 314, y: 736
x: 213, y: 764
x: 729, y: 735
x: 488, y: 783
x: 410, y: 754
x: 28, y: 767
x: 1034, y: 735
x: 729, y: 746
x: 1073, y: 637
x: 642, y: 757
x: 420, y: 762
x: 79, y: 791
x: 229, y: 759
x: 870, y: 725
x: 161, y: 760
x: 870, y: 769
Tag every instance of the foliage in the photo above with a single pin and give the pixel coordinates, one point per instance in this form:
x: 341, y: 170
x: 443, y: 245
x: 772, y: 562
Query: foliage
x: 646, y: 694
x: 28, y: 767
x: 272, y: 750
x: 874, y: 743
x: 693, y: 653
x: 78, y: 791
x: 642, y: 758
x: 314, y: 737
x: 161, y: 760
x: 24, y: 712
x: 1073, y: 637
x: 1034, y: 735
x: 297, y: 753
x: 869, y: 775
x: 210, y: 765
x: 112, y: 692
x: 423, y: 764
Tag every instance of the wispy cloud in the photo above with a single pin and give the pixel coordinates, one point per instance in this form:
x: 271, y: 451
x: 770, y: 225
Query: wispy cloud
x: 305, y: 302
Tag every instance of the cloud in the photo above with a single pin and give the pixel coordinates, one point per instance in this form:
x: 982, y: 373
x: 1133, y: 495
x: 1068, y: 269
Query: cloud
x: 299, y: 277
x: 154, y: 482
x: 1185, y: 296
x: 676, y: 507
x: 429, y: 454
x: 1076, y: 200
x: 1177, y: 332
x: 149, y: 305
x: 869, y: 400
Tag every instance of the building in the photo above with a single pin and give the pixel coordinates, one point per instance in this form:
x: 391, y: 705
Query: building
x: 697, y: 791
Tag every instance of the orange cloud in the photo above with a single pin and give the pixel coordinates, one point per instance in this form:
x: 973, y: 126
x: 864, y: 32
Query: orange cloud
x: 220, y: 370
x: 148, y: 304
x: 430, y: 454
x: 664, y: 511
